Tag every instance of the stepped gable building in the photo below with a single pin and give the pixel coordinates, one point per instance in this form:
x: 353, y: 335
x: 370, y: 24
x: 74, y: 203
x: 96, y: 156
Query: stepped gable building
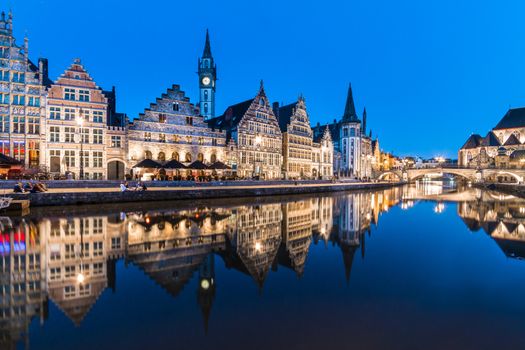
x: 172, y: 128
x: 77, y: 106
x: 297, y: 139
x: 353, y: 148
x: 207, y: 71
x: 22, y: 98
x: 252, y: 126
x: 502, y: 147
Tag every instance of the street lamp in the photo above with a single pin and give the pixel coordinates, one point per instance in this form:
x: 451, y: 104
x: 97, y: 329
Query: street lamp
x: 257, y: 141
x: 80, y: 122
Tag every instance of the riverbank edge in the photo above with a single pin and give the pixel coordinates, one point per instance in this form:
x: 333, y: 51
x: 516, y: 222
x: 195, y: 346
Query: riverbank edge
x: 84, y: 198
x: 513, y: 189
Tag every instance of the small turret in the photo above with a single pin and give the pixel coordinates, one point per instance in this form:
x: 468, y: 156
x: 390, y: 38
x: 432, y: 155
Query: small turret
x: 363, y: 126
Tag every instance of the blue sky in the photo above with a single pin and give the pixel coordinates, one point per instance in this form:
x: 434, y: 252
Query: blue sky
x: 429, y: 72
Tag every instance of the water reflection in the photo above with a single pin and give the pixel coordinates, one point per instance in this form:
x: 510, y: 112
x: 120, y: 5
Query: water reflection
x: 70, y: 260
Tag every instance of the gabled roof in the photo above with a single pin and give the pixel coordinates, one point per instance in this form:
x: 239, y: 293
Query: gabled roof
x: 231, y: 117
x: 490, y: 140
x: 514, y: 118
x: 512, y: 140
x: 284, y: 115
x: 473, y: 141
x: 207, y: 47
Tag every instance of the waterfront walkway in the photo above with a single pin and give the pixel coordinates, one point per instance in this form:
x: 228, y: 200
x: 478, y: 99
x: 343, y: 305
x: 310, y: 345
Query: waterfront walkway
x: 155, y: 192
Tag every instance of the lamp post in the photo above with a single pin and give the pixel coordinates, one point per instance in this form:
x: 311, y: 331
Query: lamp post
x: 80, y: 122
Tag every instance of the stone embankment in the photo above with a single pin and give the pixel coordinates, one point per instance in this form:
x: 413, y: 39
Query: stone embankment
x: 513, y: 189
x: 59, y: 194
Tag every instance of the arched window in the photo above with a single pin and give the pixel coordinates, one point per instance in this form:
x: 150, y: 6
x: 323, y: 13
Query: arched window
x: 148, y: 155
x: 206, y: 64
x: 200, y: 157
x: 188, y: 157
x: 205, y: 95
x: 205, y: 108
x: 161, y: 156
x: 175, y: 156
x: 213, y: 158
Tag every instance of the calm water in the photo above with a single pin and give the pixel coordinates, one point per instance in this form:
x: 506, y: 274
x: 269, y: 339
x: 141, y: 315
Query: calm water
x: 409, y: 268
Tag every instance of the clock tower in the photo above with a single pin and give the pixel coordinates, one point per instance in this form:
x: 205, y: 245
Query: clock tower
x: 207, y: 71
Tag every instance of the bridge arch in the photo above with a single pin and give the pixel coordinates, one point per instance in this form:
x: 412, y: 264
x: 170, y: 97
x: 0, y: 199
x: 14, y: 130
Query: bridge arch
x: 387, y: 174
x: 468, y: 174
x: 498, y: 173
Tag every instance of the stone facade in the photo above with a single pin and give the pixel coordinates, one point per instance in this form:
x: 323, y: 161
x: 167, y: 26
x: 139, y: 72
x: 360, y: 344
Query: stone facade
x: 22, y: 99
x: 172, y: 128
x: 323, y: 156
x: 253, y: 127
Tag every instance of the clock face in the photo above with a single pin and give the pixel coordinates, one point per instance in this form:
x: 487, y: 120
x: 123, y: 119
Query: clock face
x: 205, y: 81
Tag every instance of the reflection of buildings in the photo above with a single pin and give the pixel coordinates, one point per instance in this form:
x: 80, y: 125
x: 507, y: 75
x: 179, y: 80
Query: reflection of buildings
x: 72, y: 260
x: 503, y: 219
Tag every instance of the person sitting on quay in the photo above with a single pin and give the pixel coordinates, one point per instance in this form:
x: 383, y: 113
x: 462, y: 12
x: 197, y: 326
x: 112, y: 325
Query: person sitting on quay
x: 37, y: 188
x: 28, y: 187
x: 141, y: 186
x: 123, y: 187
x: 18, y: 188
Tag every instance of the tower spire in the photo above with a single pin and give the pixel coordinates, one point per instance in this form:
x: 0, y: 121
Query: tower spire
x: 364, y: 122
x: 207, y: 46
x: 350, y: 114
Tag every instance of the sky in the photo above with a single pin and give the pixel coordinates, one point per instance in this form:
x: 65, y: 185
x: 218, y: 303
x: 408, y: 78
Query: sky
x: 429, y: 73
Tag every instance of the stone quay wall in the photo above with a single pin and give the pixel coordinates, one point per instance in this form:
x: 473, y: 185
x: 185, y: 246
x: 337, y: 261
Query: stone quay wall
x: 104, y: 197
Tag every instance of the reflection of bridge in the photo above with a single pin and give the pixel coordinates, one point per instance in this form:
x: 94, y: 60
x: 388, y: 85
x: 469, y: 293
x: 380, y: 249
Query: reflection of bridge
x: 470, y: 174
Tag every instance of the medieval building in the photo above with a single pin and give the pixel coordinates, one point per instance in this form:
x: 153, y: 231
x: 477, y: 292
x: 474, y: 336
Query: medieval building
x: 207, y: 71
x: 353, y: 156
x: 502, y: 147
x: 253, y: 127
x: 22, y: 98
x: 172, y: 128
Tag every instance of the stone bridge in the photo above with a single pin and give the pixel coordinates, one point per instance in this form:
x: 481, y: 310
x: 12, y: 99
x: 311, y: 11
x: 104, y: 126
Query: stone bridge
x: 470, y: 174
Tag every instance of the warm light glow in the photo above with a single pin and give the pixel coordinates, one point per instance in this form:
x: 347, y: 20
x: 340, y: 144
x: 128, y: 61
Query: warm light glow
x: 258, y: 246
x: 80, y: 278
x: 80, y: 121
x: 205, y: 284
x: 438, y: 209
x: 258, y: 140
x: 148, y: 220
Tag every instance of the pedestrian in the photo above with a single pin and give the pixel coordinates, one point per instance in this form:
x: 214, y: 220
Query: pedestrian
x: 18, y: 188
x: 123, y: 187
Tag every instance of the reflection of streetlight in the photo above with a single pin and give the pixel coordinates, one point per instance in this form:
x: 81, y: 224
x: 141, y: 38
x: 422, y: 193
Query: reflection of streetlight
x: 80, y: 278
x: 258, y: 246
x: 80, y: 122
x: 438, y: 209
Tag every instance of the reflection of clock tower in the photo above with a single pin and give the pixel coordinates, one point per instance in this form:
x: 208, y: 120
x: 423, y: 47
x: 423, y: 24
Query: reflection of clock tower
x: 207, y: 77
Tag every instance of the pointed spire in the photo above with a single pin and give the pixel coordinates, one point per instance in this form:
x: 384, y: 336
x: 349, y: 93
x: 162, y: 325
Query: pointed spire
x: 207, y: 46
x: 350, y: 114
x: 363, y: 126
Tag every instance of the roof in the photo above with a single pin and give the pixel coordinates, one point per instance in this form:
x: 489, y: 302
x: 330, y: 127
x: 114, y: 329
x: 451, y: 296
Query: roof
x: 514, y: 118
x: 207, y: 47
x: 284, y: 115
x: 350, y: 114
x: 473, y: 141
x: 490, y: 140
x: 518, y: 154
x: 231, y: 117
x: 512, y: 140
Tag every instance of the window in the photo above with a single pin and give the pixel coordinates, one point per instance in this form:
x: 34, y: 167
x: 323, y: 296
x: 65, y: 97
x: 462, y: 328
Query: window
x: 176, y: 138
x: 176, y: 107
x: 213, y: 158
x: 97, y: 159
x: 162, y: 137
x: 214, y: 142
x: 4, y: 75
x: 97, y: 136
x: 162, y: 118
x: 189, y: 120
x: 85, y: 135
x: 205, y: 95
x: 115, y: 243
x: 98, y: 268
x: 70, y: 252
x: 97, y: 249
x: 69, y: 134
x: 162, y: 156
x: 201, y: 141
x: 97, y: 176
x: 54, y: 113
x: 147, y: 136
x: 69, y: 94
x: 19, y: 100
x: 85, y: 158
x: 116, y: 141
x: 18, y: 77
x: 83, y: 95
x: 175, y: 156
x: 54, y: 273
x: 69, y: 158
x: 34, y: 101
x: 98, y: 116
x: 4, y: 98
x: 69, y: 114
x: 19, y: 124
x: 148, y: 155
x: 205, y: 108
x: 188, y: 157
x: 70, y: 271
x: 69, y: 291
x: 84, y: 290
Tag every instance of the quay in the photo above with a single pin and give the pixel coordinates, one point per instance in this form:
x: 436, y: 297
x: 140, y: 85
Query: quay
x: 106, y: 192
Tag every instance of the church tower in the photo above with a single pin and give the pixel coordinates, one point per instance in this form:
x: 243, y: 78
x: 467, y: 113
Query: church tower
x: 350, y: 138
x: 207, y: 71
